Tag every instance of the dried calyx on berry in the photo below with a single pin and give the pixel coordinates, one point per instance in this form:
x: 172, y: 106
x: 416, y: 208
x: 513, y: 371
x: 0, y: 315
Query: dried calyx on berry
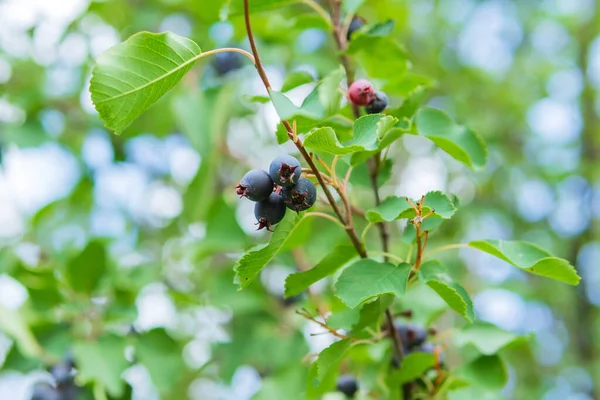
x: 270, y: 211
x: 378, y: 103
x: 256, y: 185
x: 285, y: 170
x: 361, y: 92
x: 301, y: 196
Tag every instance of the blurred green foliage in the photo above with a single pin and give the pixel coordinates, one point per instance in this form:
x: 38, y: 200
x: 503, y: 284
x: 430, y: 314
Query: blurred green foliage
x: 143, y: 297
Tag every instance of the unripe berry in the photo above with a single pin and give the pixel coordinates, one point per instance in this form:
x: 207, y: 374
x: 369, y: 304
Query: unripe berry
x: 256, y: 185
x: 361, y: 92
x: 300, y: 197
x: 285, y: 170
x: 269, y: 211
x: 377, y: 104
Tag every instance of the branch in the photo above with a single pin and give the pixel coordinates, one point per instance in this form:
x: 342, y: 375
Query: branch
x: 261, y: 72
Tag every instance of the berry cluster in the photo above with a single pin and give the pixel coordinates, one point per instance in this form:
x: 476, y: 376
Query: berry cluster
x: 281, y: 187
x: 362, y: 93
x: 64, y: 387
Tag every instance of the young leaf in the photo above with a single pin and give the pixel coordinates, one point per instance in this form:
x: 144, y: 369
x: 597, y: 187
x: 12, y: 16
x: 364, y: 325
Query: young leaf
x: 394, y: 207
x: 252, y: 262
x: 367, y: 278
x: 435, y: 276
x: 530, y: 258
x: 85, y: 270
x: 299, y: 281
x: 329, y: 92
x: 295, y: 79
x: 460, y: 142
x: 487, y: 338
x: 368, y: 132
x: 331, y: 357
x: 102, y: 361
x: 287, y: 110
x: 129, y: 77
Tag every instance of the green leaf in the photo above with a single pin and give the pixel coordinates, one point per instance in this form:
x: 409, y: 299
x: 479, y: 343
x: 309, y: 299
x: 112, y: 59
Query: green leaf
x: 486, y: 371
x: 530, y: 258
x: 368, y: 133
x: 12, y: 323
x: 161, y: 355
x: 316, y: 387
x: 485, y: 337
x: 435, y: 276
x: 351, y: 6
x: 129, y: 77
x: 330, y: 358
x: 455, y: 296
x: 102, y: 361
x: 85, y: 271
x: 300, y: 281
x: 252, y: 262
x: 393, y: 208
x: 288, y: 111
x: 368, y: 278
x: 381, y: 56
x: 414, y: 365
x: 460, y: 142
x: 329, y: 90
x: 295, y: 79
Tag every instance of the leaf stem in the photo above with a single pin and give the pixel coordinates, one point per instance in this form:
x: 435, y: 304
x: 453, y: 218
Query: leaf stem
x: 225, y: 50
x: 444, y: 248
x: 387, y: 255
x: 315, y: 6
x: 363, y: 236
x: 326, y: 216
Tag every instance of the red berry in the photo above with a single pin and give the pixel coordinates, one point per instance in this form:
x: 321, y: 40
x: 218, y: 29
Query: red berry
x: 361, y: 92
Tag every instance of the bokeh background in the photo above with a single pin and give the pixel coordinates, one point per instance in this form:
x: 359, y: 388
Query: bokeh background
x: 524, y: 74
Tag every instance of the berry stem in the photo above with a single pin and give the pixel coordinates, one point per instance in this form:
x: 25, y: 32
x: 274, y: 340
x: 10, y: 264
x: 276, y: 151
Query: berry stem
x: 358, y: 245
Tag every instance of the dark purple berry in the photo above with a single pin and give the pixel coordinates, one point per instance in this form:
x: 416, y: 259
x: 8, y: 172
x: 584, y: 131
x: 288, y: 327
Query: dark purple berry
x: 377, y: 104
x: 43, y: 391
x: 256, y: 185
x: 429, y: 347
x: 356, y: 24
x: 228, y: 61
x: 300, y: 197
x: 348, y: 385
x: 63, y: 372
x: 411, y: 335
x: 285, y: 170
x: 269, y: 211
